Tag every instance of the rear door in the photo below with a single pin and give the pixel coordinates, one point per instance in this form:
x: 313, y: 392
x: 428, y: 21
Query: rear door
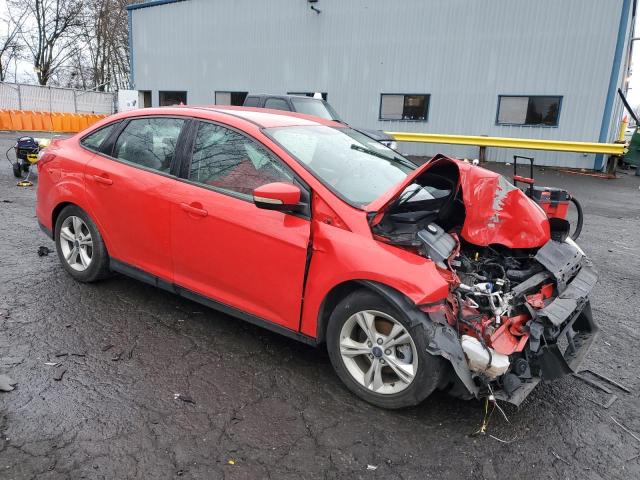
x: 226, y: 248
x: 128, y: 186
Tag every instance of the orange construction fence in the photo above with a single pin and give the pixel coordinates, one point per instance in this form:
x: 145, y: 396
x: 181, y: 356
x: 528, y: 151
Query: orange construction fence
x: 28, y: 121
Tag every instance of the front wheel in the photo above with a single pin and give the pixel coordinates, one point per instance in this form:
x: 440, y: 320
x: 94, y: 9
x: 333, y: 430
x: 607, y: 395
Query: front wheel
x: 378, y: 355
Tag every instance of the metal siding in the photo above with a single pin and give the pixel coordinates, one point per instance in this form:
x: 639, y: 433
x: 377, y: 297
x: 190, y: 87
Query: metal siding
x: 464, y: 54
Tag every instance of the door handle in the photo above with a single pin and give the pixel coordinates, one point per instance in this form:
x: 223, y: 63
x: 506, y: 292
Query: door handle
x: 103, y: 180
x: 201, y: 212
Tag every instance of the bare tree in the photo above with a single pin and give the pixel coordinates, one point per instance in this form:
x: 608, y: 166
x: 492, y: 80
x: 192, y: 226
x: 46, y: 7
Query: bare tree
x: 107, y: 43
x: 10, y: 46
x: 49, y: 32
x: 103, y: 61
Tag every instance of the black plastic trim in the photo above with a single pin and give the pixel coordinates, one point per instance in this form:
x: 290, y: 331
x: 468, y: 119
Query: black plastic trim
x: 47, y: 232
x: 143, y: 276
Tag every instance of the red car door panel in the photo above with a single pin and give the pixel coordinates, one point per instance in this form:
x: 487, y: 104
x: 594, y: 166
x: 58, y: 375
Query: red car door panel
x: 133, y: 206
x: 238, y: 254
x: 226, y: 248
x: 129, y: 195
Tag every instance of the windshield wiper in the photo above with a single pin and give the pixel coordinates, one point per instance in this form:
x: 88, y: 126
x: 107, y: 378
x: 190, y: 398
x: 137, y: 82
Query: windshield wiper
x: 359, y: 148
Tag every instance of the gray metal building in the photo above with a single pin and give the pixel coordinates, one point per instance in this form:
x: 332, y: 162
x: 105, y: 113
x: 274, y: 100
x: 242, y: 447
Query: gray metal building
x: 544, y: 69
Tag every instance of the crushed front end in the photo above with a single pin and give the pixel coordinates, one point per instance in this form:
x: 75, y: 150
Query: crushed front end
x: 518, y: 310
x: 521, y: 317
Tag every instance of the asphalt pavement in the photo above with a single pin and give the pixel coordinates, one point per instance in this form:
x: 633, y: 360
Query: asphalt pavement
x: 150, y: 385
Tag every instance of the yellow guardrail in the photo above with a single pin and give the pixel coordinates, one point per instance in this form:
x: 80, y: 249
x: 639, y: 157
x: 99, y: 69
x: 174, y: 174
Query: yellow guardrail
x: 504, y: 142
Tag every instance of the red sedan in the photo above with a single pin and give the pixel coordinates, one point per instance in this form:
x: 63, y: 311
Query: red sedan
x: 416, y: 278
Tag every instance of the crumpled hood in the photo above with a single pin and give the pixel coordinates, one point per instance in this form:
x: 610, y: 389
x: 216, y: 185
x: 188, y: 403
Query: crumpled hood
x: 496, y: 211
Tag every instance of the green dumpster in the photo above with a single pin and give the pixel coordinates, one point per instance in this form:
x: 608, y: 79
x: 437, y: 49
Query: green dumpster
x: 632, y: 157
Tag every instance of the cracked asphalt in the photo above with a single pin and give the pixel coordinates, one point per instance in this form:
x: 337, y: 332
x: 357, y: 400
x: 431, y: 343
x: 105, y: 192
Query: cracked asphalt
x: 251, y: 404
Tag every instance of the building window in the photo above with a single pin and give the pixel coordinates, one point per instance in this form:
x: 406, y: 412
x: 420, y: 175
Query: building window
x: 532, y: 110
x: 404, y: 107
x: 231, y: 98
x: 308, y: 94
x: 168, y: 99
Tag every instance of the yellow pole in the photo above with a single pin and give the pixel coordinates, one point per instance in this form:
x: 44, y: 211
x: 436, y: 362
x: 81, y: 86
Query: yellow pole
x: 623, y: 128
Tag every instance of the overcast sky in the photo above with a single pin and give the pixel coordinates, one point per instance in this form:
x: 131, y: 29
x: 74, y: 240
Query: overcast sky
x: 27, y: 75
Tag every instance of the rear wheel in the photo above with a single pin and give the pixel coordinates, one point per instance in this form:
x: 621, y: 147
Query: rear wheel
x: 378, y: 355
x: 80, y: 246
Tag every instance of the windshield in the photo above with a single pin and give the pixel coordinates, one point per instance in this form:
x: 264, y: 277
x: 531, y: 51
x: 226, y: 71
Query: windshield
x: 351, y: 164
x: 315, y: 107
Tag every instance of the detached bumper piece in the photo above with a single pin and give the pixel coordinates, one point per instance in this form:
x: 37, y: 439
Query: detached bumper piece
x: 562, y: 332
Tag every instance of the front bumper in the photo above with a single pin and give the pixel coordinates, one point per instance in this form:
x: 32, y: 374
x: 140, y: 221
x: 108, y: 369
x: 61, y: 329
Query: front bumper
x: 560, y: 334
x: 563, y: 331
x: 555, y: 360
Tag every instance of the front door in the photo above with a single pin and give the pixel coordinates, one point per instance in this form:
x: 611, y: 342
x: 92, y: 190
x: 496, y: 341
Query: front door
x: 226, y: 248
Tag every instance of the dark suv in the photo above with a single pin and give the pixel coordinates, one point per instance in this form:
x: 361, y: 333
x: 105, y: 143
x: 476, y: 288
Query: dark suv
x: 312, y: 106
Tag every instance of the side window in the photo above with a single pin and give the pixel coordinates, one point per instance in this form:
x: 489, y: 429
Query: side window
x: 252, y: 101
x: 95, y: 139
x: 230, y: 161
x: 149, y: 142
x: 277, y: 104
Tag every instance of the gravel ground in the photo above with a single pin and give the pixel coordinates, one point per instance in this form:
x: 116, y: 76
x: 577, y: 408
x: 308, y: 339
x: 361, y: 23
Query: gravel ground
x: 262, y: 406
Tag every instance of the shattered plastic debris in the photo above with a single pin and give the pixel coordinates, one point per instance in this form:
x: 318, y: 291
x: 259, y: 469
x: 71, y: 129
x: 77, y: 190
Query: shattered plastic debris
x: 625, y: 429
x: 185, y: 398
x: 372, y: 467
x: 10, y: 361
x: 231, y: 461
x: 560, y: 458
x: 59, y: 373
x: 7, y: 383
x: 52, y: 364
x: 44, y: 251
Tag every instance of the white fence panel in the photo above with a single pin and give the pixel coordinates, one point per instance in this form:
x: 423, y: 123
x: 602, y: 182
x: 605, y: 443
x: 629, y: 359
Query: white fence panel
x: 94, y: 102
x: 9, y: 96
x: 52, y: 99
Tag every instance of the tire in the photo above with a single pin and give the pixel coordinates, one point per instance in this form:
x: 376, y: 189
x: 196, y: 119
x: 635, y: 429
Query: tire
x: 87, y: 239
x: 17, y: 170
x: 353, y: 370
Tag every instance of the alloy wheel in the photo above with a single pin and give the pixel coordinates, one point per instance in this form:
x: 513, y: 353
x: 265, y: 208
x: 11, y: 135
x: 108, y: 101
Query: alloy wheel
x: 76, y: 243
x: 378, y: 352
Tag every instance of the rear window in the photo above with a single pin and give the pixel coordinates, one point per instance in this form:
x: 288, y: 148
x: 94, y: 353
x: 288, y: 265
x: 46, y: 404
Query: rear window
x: 94, y: 140
x: 252, y: 101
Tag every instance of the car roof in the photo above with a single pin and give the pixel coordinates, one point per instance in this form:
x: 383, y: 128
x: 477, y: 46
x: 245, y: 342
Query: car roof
x: 261, y: 117
x: 288, y: 95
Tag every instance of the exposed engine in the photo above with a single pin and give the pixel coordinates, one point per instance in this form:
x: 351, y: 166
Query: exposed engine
x: 509, y: 307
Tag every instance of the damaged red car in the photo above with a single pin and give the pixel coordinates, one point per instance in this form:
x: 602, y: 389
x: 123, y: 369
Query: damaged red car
x: 443, y: 276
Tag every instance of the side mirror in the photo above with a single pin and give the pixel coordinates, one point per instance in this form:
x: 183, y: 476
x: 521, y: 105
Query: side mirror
x: 284, y: 197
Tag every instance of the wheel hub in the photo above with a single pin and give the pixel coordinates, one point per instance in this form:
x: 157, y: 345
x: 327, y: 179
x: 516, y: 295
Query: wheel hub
x: 378, y: 352
x: 76, y: 243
